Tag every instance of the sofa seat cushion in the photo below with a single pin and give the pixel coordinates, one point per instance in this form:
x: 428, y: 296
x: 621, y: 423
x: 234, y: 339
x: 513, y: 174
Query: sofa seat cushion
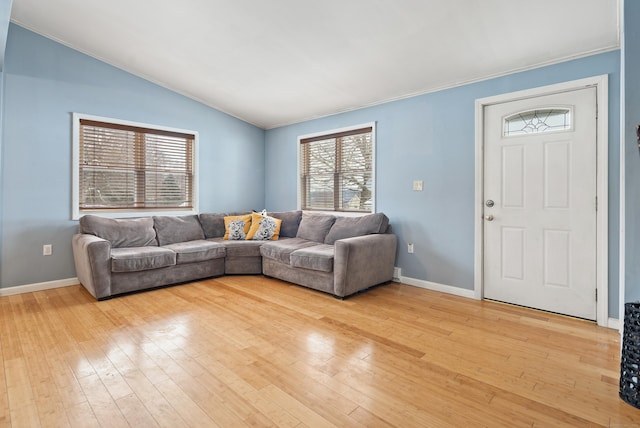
x: 281, y: 250
x: 134, y: 259
x: 196, y: 251
x: 239, y: 248
x: 318, y: 257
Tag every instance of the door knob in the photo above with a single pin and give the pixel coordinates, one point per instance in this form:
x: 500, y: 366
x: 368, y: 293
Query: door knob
x: 488, y: 217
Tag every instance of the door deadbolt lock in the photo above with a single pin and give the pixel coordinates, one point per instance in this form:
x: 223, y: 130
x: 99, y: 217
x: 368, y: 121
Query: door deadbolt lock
x: 489, y: 203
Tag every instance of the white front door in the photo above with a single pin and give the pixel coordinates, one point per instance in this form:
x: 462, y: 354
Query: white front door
x: 540, y: 202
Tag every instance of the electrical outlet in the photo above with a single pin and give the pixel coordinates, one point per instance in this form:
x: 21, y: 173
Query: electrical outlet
x: 410, y: 248
x: 47, y: 249
x: 418, y: 185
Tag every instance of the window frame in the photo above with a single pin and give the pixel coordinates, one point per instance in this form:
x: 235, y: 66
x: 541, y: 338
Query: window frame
x: 76, y: 212
x: 328, y: 134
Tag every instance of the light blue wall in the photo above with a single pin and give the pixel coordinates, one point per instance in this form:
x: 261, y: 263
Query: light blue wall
x: 44, y: 82
x: 1, y: 158
x: 431, y: 138
x: 632, y: 154
x: 428, y: 137
x: 5, y: 15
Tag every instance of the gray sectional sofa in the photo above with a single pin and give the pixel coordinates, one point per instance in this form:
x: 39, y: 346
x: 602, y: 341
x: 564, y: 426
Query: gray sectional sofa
x: 334, y: 254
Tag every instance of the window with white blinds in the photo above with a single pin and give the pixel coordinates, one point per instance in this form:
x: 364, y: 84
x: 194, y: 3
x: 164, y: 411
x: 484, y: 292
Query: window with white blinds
x: 336, y: 170
x: 130, y: 167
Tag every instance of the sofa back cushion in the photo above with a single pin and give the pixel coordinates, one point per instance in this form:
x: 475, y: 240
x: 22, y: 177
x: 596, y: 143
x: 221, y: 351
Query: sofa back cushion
x: 122, y: 233
x: 348, y: 227
x: 212, y: 225
x: 290, y: 222
x: 172, y: 229
x: 314, y: 227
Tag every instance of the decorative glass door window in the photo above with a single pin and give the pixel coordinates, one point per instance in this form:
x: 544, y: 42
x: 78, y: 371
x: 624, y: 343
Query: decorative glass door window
x: 536, y: 121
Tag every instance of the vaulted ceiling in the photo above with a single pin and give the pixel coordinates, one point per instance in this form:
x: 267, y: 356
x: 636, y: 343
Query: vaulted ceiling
x: 278, y: 62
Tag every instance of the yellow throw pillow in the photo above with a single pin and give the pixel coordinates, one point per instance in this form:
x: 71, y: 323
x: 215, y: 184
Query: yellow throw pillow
x: 236, y: 227
x: 264, y: 228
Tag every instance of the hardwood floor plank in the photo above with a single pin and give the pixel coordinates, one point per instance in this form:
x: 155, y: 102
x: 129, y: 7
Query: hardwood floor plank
x: 370, y: 400
x: 297, y: 409
x: 368, y: 419
x: 69, y: 390
x: 110, y: 377
x: 11, y: 346
x: 19, y: 389
x: 192, y: 414
x: 81, y: 415
x: 155, y: 403
x: 257, y: 352
x: 227, y: 379
x: 135, y: 412
x: 5, y: 410
x: 51, y: 409
x: 101, y: 402
x: 25, y: 416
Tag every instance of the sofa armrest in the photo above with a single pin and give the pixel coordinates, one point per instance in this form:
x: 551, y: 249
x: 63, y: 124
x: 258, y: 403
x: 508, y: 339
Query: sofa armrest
x: 92, y: 257
x: 363, y: 261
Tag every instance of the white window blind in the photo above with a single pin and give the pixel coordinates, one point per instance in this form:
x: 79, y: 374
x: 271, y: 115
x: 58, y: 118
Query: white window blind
x: 129, y: 167
x: 336, y: 171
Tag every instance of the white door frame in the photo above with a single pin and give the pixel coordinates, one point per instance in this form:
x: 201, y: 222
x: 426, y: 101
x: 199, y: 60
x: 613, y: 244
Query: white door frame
x: 602, y: 168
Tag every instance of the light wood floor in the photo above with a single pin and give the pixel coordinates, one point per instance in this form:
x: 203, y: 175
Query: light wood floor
x: 251, y: 351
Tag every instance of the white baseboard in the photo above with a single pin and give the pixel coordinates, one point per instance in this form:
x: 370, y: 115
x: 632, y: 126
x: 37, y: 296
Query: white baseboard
x: 434, y: 286
x: 614, y: 323
x: 28, y: 288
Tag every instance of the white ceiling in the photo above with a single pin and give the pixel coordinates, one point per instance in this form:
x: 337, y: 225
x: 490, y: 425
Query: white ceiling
x: 278, y: 62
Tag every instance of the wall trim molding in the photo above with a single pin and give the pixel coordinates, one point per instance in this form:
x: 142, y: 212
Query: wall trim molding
x: 434, y: 286
x: 622, y: 216
x: 601, y: 83
x: 39, y: 286
x: 614, y: 324
x: 446, y: 87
